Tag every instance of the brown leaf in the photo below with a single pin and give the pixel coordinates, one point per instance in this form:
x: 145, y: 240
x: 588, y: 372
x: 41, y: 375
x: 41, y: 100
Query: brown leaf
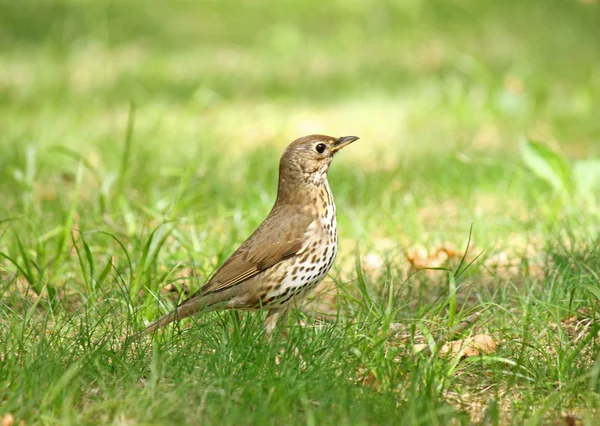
x: 8, y: 420
x: 471, y: 346
x: 419, y: 347
x: 572, y: 421
x: 419, y: 257
x: 368, y: 378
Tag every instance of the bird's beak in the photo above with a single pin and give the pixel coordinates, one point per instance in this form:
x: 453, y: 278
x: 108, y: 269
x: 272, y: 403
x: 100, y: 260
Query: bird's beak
x: 342, y: 142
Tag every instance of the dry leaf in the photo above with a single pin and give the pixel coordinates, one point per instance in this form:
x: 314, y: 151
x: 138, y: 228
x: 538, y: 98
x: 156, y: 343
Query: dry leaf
x: 571, y: 420
x: 472, y: 346
x: 8, y: 420
x: 371, y: 380
x: 420, y: 258
x: 367, y: 378
x: 419, y: 347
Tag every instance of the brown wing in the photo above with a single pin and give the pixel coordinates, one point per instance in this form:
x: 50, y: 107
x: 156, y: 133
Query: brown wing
x: 279, y: 237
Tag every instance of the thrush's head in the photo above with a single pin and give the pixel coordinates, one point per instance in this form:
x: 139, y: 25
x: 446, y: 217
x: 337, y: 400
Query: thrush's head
x: 306, y: 160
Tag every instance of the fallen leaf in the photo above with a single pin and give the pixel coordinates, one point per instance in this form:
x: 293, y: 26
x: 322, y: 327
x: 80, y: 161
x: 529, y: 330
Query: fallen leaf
x: 474, y: 346
x: 420, y: 258
x: 8, y: 420
x: 419, y: 347
x: 368, y: 378
x: 471, y: 346
x: 572, y: 421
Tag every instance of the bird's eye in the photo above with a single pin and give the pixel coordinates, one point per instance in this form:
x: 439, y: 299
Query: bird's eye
x: 320, y: 148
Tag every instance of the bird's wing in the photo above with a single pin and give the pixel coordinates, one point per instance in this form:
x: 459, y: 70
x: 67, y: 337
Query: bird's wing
x: 279, y: 237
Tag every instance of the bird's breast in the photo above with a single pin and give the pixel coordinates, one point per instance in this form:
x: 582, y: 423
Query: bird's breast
x: 301, y: 273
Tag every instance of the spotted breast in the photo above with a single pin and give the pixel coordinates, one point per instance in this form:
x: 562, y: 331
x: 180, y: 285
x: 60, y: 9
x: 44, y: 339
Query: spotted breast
x: 299, y: 275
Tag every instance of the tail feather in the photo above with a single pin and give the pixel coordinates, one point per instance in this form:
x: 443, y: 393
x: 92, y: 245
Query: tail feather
x: 161, y: 322
x: 187, y: 308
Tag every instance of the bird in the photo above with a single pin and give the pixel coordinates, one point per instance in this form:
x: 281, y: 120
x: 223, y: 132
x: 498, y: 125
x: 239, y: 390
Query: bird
x: 291, y: 251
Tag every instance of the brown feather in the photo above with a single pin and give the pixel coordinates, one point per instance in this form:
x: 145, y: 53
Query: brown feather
x: 273, y: 241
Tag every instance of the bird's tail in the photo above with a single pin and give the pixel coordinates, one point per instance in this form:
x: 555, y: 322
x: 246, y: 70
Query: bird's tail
x: 161, y: 322
x: 191, y: 306
x: 185, y: 309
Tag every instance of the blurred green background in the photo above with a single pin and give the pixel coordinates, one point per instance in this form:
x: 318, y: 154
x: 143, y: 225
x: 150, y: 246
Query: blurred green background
x: 440, y: 92
x: 398, y: 73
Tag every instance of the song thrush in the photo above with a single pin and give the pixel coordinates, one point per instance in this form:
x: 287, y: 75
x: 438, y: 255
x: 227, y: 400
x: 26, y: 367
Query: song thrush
x: 290, y: 252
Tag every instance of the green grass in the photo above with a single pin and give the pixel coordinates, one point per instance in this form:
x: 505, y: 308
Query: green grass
x: 140, y: 146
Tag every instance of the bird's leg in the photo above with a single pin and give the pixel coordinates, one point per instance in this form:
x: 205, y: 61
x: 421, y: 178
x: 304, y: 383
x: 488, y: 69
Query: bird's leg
x: 275, y: 315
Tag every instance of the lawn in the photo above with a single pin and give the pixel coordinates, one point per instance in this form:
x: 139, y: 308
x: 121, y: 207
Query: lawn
x: 139, y: 147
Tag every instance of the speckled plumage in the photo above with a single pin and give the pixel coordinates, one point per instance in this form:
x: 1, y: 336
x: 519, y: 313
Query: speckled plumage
x: 290, y: 252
